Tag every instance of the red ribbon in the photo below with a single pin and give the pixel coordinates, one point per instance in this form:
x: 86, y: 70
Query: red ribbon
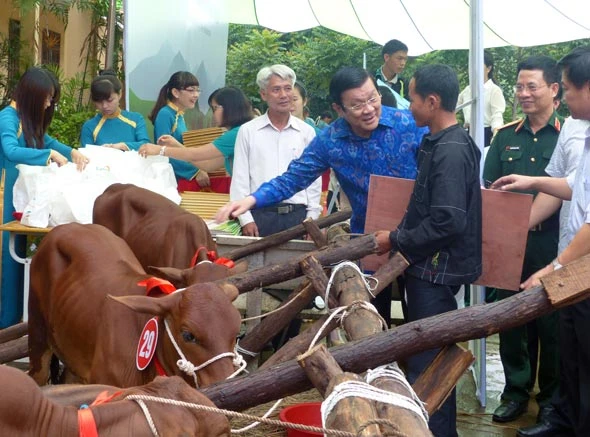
x: 86, y: 422
x: 163, y: 285
x: 212, y: 256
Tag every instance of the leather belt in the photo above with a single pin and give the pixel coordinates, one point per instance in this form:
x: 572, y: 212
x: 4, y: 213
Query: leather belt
x: 284, y: 208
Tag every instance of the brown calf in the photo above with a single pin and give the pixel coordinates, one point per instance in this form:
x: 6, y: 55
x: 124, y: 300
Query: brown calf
x: 26, y: 412
x: 99, y: 339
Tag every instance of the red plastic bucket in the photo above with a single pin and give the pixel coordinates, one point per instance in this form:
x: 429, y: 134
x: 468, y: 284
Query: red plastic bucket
x: 304, y: 414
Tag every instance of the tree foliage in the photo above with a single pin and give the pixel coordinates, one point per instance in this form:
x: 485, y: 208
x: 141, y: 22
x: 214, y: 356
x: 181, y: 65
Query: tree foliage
x: 317, y: 53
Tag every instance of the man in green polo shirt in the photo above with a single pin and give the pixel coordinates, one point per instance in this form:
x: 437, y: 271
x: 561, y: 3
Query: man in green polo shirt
x: 525, y: 147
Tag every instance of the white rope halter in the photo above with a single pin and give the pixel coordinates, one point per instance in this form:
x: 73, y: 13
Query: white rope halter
x: 190, y: 369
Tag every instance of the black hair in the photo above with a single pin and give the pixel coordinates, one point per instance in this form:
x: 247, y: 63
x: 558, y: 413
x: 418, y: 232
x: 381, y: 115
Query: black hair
x: 348, y: 78
x: 30, y: 95
x: 237, y: 108
x: 393, y: 46
x: 103, y: 85
x: 387, y: 97
x: 179, y: 80
x: 576, y: 65
x: 301, y: 90
x: 438, y: 79
x: 326, y: 114
x: 488, y: 61
x: 547, y: 65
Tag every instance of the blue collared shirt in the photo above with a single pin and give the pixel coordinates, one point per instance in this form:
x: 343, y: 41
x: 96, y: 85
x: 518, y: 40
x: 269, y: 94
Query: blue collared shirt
x: 391, y: 150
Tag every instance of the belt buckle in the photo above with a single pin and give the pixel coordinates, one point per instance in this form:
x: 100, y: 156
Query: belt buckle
x: 284, y: 209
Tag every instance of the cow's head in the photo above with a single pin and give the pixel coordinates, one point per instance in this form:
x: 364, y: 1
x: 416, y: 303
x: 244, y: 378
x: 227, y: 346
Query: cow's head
x: 204, y: 324
x: 202, y: 272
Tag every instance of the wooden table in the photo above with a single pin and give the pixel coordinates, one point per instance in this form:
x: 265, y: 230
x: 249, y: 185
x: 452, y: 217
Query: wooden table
x: 15, y: 228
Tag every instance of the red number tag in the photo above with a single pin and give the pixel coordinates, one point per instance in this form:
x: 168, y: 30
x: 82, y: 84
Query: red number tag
x: 146, y: 347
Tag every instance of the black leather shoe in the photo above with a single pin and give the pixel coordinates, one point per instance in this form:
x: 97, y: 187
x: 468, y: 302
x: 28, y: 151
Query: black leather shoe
x: 545, y: 413
x: 509, y: 411
x: 544, y: 429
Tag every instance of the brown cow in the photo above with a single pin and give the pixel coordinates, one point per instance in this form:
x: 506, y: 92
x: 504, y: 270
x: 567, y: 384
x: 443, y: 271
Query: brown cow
x: 25, y: 411
x: 73, y: 271
x: 159, y: 232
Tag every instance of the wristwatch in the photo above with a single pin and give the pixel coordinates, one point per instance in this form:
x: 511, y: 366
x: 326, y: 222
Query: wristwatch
x: 556, y: 265
x: 163, y: 151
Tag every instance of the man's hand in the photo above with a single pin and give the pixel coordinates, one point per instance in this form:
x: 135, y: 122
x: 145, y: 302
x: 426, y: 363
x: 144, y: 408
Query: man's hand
x: 513, y: 182
x: 234, y: 209
x: 383, y: 242
x: 202, y: 178
x: 250, y: 230
x: 169, y: 141
x: 534, y: 280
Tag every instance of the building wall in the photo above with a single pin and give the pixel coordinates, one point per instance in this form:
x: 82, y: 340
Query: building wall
x: 72, y: 37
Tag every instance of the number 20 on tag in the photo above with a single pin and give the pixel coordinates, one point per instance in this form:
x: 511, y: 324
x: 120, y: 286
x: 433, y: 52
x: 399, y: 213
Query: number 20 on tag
x: 146, y: 347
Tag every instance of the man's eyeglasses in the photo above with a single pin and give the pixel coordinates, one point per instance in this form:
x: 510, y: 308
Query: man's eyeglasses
x: 531, y: 88
x: 373, y: 101
x: 192, y: 89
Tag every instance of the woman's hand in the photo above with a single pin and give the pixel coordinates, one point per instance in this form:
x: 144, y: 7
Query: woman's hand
x: 119, y: 146
x: 202, y: 178
x: 58, y: 158
x: 79, y: 159
x: 149, y: 149
x: 169, y: 141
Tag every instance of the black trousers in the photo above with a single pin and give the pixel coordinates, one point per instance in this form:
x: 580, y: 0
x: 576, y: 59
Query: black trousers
x: 426, y: 299
x: 572, y: 403
x: 271, y: 219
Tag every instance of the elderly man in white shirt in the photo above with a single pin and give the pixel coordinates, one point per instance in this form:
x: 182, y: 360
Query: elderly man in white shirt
x: 264, y: 148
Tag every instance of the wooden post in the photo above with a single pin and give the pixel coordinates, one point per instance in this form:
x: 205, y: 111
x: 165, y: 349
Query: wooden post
x: 406, y: 420
x: 352, y: 413
x: 14, y: 349
x: 256, y: 338
x: 386, y: 347
x: 315, y: 233
x: 284, y: 236
x: 14, y: 332
x: 297, y: 345
x: 275, y: 273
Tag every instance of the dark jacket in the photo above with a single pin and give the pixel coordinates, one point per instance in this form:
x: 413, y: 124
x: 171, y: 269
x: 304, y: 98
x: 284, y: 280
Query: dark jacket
x: 440, y: 234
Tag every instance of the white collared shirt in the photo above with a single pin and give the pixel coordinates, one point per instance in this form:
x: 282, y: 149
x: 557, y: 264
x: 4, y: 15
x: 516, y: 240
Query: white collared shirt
x: 564, y: 161
x: 263, y: 152
x: 579, y: 182
x: 494, y: 104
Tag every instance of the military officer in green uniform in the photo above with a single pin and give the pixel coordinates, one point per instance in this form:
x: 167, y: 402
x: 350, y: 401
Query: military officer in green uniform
x: 525, y: 147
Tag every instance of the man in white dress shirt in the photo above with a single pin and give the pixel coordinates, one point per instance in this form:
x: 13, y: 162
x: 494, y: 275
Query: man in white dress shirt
x: 264, y: 148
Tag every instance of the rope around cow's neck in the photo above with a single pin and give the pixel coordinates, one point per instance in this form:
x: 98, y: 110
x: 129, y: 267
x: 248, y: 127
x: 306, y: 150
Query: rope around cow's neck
x: 190, y: 369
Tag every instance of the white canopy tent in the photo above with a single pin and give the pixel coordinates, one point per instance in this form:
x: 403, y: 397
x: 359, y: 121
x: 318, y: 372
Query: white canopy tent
x: 427, y: 25
x: 424, y: 25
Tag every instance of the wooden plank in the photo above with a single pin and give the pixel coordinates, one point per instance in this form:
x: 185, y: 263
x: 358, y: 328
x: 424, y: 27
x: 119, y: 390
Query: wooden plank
x: 564, y: 285
x: 435, y: 384
x: 203, y: 204
x: 18, y: 228
x: 505, y: 218
x: 200, y: 137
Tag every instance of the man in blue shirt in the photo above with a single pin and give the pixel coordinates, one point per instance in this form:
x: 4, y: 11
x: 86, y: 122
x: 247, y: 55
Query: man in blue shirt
x: 366, y: 139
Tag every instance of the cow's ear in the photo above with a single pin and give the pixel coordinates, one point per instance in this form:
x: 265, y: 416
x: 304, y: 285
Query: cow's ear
x: 156, y: 306
x: 239, y: 267
x: 230, y: 290
x: 174, y: 275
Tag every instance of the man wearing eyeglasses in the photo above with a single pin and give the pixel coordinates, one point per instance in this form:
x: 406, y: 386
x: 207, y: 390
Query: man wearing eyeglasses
x: 525, y: 147
x: 366, y: 139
